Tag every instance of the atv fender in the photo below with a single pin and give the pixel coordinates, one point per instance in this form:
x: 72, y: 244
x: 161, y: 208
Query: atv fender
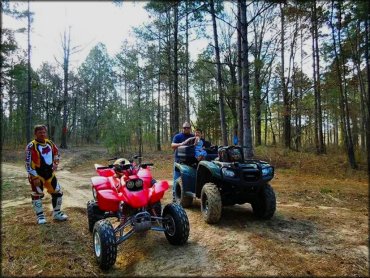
x: 108, y: 200
x: 157, y: 191
x: 106, y: 172
x: 188, y: 176
x: 100, y: 183
x: 207, y: 171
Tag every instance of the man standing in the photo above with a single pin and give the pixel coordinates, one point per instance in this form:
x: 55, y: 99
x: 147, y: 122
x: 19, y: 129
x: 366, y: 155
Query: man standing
x: 42, y: 158
x: 177, y: 141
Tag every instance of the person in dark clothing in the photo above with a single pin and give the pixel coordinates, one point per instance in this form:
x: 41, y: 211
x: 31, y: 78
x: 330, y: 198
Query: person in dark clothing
x: 177, y: 141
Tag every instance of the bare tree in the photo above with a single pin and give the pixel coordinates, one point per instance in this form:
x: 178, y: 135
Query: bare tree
x: 67, y: 52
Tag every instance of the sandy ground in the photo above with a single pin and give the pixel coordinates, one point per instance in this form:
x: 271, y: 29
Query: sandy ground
x: 311, y: 233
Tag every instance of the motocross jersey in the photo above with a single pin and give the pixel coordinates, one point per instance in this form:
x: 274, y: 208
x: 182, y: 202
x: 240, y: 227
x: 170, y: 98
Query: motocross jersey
x: 40, y: 158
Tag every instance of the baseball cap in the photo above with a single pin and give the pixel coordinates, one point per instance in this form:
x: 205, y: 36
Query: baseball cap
x: 186, y: 124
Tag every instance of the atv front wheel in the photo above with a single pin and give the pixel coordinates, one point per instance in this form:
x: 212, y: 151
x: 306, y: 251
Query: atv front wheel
x: 104, y: 244
x: 211, y: 204
x: 181, y: 199
x: 265, y: 206
x: 176, y: 224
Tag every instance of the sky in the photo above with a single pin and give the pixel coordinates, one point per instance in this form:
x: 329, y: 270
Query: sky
x: 90, y: 22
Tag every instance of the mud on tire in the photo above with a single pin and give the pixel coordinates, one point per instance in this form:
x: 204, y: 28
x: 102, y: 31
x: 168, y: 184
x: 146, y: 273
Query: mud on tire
x: 265, y: 206
x: 104, y: 244
x: 211, y: 204
x: 181, y: 199
x: 94, y: 214
x: 176, y: 223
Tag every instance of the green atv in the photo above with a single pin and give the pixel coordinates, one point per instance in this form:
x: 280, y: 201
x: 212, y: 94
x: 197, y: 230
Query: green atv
x: 224, y: 179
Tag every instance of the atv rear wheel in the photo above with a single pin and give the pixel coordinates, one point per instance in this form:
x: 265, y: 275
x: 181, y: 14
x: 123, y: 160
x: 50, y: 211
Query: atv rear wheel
x: 265, y: 207
x: 94, y: 214
x: 176, y: 224
x: 211, y: 204
x: 104, y: 244
x: 180, y: 198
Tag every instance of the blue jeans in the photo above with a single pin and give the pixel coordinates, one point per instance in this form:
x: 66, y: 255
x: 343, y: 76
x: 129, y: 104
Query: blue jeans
x: 176, y: 175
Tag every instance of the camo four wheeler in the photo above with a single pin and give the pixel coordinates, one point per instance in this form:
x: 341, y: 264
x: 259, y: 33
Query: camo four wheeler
x: 224, y: 179
x: 126, y: 191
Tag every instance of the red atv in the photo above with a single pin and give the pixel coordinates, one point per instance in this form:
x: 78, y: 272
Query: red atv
x: 126, y: 190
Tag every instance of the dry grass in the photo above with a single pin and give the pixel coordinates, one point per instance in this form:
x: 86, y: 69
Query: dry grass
x: 320, y: 228
x: 53, y: 249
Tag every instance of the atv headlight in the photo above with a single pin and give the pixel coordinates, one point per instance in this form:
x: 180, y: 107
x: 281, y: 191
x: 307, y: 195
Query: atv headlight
x: 139, y: 183
x: 130, y: 184
x: 267, y: 171
x: 228, y: 173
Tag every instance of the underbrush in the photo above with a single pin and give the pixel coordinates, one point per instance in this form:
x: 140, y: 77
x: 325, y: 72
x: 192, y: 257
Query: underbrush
x: 333, y: 165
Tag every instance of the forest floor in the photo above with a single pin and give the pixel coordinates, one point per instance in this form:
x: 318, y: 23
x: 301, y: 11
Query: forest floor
x: 320, y: 227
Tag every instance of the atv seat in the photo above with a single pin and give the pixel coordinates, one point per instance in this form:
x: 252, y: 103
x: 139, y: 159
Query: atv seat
x: 186, y: 154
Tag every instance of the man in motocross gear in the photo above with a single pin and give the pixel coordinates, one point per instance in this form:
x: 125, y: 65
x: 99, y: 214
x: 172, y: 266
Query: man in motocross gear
x: 42, y: 158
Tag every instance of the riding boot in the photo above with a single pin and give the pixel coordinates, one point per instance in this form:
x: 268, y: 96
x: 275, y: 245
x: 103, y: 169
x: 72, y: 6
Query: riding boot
x: 37, y: 206
x: 56, y: 200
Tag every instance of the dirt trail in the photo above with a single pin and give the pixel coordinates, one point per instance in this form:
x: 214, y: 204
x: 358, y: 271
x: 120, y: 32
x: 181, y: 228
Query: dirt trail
x: 310, y: 234
x: 76, y: 187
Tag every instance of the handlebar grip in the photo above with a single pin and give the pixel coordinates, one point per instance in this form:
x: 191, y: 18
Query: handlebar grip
x: 144, y: 165
x: 105, y: 167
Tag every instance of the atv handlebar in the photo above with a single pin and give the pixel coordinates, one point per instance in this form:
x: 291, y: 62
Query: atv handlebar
x: 125, y: 166
x: 144, y: 165
x: 105, y: 167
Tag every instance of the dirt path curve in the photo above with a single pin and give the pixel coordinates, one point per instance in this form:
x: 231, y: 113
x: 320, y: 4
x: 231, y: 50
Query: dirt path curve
x: 76, y: 187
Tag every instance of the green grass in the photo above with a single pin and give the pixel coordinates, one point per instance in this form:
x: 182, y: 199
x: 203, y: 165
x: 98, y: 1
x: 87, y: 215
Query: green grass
x: 326, y: 190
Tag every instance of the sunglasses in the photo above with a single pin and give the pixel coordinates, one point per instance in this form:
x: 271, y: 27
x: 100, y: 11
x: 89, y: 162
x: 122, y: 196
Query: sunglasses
x: 187, y: 127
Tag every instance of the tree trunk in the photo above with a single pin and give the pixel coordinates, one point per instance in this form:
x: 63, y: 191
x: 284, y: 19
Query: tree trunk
x: 169, y: 76
x: 159, y: 96
x: 248, y: 151
x: 316, y: 137
x: 284, y: 88
x: 176, y: 71
x: 367, y: 27
x: 29, y: 92
x: 187, y: 63
x: 66, y: 53
x: 320, y: 137
x: 219, y: 77
x: 239, y: 93
x: 342, y: 103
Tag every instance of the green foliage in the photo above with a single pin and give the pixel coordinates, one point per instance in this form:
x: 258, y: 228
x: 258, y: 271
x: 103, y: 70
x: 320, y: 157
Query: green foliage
x: 114, y: 100
x: 325, y: 190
